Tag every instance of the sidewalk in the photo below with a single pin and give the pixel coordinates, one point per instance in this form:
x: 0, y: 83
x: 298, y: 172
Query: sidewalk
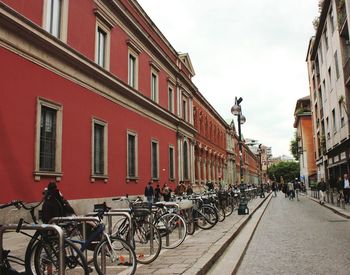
x: 199, y: 252
x: 196, y: 255
x: 333, y: 207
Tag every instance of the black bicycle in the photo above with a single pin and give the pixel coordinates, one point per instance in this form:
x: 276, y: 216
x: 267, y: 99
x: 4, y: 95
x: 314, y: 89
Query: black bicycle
x: 43, y: 250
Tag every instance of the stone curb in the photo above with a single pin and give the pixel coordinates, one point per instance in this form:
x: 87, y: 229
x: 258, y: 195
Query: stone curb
x: 251, y: 235
x: 336, y: 210
x: 204, y: 265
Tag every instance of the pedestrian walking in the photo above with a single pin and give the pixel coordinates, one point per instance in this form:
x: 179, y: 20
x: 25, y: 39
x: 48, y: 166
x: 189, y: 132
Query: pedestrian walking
x: 297, y: 189
x: 274, y: 188
x: 321, y: 189
x: 285, y: 190
x: 166, y: 191
x: 291, y: 193
x: 157, y: 193
x: 189, y: 189
x: 149, y: 193
x: 346, y: 188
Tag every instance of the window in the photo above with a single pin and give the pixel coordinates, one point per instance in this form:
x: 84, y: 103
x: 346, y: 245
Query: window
x: 185, y: 160
x: 48, y: 139
x: 330, y: 78
x: 336, y: 64
x: 154, y: 87
x: 55, y: 18
x: 170, y: 99
x: 171, y: 163
x: 184, y: 109
x: 334, y: 121
x: 99, y: 149
x: 132, y: 73
x: 327, y: 126
x: 342, y: 121
x: 102, y: 44
x: 132, y: 155
x: 154, y: 160
x: 101, y: 47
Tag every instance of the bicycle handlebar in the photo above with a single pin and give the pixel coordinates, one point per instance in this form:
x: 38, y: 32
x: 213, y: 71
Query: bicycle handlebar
x: 16, y: 203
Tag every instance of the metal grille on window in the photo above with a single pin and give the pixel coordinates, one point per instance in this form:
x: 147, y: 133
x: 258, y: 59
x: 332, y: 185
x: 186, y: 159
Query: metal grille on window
x: 154, y: 160
x: 131, y: 156
x: 47, y: 139
x: 98, y: 149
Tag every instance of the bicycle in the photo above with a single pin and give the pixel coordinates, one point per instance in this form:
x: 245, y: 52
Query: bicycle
x: 147, y: 240
x: 171, y: 225
x: 43, y: 250
x: 111, y: 254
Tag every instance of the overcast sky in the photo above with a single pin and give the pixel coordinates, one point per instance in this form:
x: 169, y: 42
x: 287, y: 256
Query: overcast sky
x: 255, y: 49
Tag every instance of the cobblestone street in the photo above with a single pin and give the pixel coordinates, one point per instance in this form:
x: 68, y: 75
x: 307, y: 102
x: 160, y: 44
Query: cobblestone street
x: 298, y: 237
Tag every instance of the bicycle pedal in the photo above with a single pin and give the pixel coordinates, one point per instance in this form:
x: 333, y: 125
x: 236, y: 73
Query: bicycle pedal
x: 141, y: 256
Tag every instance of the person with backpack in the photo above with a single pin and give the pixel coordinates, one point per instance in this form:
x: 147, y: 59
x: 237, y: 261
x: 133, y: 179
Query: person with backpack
x: 54, y: 204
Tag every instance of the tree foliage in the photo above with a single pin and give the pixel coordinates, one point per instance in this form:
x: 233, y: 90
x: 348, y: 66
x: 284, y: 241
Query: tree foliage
x: 293, y: 147
x: 285, y: 169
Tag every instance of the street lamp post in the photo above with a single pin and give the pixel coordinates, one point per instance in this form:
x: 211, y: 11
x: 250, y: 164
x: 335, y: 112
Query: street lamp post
x: 236, y: 111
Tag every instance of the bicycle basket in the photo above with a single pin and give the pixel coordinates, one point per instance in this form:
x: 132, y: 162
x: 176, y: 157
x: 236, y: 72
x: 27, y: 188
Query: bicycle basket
x: 223, y: 195
x: 101, y: 207
x: 141, y: 210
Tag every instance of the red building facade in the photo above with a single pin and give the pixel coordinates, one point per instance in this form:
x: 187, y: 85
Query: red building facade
x: 94, y: 97
x: 93, y: 104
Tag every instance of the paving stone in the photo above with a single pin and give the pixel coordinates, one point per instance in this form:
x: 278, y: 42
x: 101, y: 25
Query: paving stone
x: 298, y: 237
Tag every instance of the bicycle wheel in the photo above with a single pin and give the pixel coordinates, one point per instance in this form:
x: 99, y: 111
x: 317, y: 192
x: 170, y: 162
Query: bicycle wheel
x: 228, y: 207
x: 172, y: 228
x: 221, y: 213
x: 207, y: 217
x: 189, y: 217
x: 46, y: 258
x: 147, y: 241
x: 117, y: 255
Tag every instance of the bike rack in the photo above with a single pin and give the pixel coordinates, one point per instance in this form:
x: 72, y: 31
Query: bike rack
x: 42, y: 227
x: 83, y: 219
x: 109, y: 215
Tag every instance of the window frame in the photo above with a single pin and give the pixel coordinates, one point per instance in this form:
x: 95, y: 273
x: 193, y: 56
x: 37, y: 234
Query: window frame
x: 334, y: 121
x: 171, y: 163
x: 134, y: 134
x: 154, y: 92
x: 134, y: 55
x: 155, y: 177
x: 42, y: 102
x: 336, y: 62
x: 63, y: 19
x: 186, y: 160
x: 101, y: 26
x: 184, y: 108
x: 171, y: 98
x: 104, y: 175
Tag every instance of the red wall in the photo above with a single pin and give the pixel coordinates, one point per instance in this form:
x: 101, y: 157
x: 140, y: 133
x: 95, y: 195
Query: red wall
x: 33, y: 10
x: 22, y: 82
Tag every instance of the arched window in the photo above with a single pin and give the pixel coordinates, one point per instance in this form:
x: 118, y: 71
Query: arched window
x: 185, y: 162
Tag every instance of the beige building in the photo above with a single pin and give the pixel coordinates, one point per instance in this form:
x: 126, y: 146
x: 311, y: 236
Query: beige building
x: 329, y: 70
